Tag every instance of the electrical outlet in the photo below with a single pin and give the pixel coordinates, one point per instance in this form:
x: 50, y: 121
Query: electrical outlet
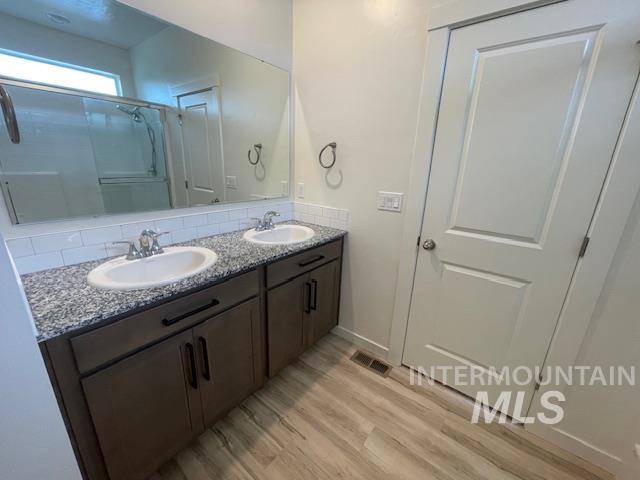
x: 390, y: 201
x: 300, y: 190
x: 231, y: 182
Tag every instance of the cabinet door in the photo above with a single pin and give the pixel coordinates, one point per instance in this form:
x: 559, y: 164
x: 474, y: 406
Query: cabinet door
x: 145, y: 407
x: 288, y: 322
x: 229, y: 358
x: 325, y: 284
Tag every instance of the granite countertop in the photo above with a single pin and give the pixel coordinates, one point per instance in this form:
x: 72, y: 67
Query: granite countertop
x: 62, y: 300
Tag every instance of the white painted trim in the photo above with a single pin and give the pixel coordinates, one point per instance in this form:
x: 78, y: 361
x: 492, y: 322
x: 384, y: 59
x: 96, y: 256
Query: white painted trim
x: 466, y: 12
x: 412, y: 224
x: 607, y: 227
x: 199, y: 85
x: 361, y: 342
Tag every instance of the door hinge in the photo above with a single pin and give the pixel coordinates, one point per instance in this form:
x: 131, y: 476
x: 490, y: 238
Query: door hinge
x: 583, y: 247
x: 186, y: 184
x: 418, y: 242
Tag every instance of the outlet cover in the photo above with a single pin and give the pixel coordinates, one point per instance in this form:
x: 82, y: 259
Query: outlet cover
x: 390, y: 201
x: 231, y: 182
x: 300, y: 190
x: 638, y: 450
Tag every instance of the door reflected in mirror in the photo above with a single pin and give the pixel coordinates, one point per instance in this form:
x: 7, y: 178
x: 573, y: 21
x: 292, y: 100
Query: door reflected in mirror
x: 118, y: 112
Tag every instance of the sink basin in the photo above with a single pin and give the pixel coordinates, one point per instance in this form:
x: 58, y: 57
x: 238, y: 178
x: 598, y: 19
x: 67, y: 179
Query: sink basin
x: 176, y: 263
x: 281, y: 235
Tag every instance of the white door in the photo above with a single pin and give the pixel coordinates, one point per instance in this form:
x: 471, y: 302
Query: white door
x: 531, y: 108
x: 201, y: 131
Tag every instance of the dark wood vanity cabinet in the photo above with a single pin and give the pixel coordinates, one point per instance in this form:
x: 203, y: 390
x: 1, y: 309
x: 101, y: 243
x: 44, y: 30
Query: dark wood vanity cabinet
x: 302, y: 309
x: 136, y: 390
x: 142, y: 408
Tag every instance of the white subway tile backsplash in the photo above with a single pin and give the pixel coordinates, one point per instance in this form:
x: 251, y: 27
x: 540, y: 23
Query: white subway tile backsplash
x: 56, y: 241
x: 84, y: 254
x: 237, y: 214
x: 218, y: 217
x: 95, y: 236
x: 330, y: 213
x: 208, y: 230
x: 184, y: 235
x: 169, y: 224
x: 229, y: 226
x: 195, y: 220
x: 20, y: 247
x: 315, y: 210
x: 343, y: 215
x: 55, y: 250
x: 35, y: 263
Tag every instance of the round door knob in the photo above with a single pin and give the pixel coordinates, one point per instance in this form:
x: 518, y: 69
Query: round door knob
x: 429, y: 244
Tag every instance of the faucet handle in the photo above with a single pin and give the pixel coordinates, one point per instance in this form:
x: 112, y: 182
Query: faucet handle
x: 259, y: 225
x: 133, y: 253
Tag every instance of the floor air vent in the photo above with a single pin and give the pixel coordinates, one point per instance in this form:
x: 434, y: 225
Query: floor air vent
x: 373, y: 364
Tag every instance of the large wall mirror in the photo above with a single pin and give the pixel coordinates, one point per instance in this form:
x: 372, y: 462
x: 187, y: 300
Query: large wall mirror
x: 106, y: 110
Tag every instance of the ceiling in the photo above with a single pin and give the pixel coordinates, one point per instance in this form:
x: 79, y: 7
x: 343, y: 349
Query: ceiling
x: 102, y: 20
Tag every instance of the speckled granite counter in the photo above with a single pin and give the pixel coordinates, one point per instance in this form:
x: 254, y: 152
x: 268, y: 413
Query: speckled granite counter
x: 62, y: 301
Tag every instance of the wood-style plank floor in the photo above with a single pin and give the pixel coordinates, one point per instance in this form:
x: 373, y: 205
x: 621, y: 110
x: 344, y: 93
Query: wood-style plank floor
x: 327, y: 417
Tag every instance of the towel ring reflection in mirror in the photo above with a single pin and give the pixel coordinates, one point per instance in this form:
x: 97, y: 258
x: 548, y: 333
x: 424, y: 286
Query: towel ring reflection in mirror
x: 333, y: 146
x: 258, y: 148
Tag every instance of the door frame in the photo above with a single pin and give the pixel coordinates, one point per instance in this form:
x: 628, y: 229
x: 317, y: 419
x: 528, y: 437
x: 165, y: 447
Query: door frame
x: 590, y: 271
x: 442, y: 20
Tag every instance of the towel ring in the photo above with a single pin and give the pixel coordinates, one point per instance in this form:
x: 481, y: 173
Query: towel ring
x: 333, y: 146
x: 258, y: 148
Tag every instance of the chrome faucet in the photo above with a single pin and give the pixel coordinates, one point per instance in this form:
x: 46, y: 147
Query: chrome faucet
x: 266, y: 223
x: 149, y: 245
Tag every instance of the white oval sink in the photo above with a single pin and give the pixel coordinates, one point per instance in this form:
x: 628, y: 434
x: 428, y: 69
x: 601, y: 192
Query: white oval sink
x: 280, y: 235
x: 175, y: 264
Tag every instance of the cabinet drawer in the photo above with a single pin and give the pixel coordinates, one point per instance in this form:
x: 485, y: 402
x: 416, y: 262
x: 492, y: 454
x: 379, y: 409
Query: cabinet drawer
x: 104, y: 344
x: 301, y: 263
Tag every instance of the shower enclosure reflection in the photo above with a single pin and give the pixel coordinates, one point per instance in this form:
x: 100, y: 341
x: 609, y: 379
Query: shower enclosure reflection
x: 138, y: 115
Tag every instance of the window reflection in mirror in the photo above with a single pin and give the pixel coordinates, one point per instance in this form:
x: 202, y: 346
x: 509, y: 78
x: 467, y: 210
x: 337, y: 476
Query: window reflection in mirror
x: 119, y: 112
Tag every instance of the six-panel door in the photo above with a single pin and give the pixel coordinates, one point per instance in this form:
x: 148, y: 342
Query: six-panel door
x: 531, y: 109
x: 229, y: 358
x: 144, y: 408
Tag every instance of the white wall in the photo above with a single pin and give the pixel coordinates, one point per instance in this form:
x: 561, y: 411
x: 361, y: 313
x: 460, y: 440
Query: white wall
x: 257, y: 27
x: 33, y: 440
x: 28, y: 37
x: 357, y: 69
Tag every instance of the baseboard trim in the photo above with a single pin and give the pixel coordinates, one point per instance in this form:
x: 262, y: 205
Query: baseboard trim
x: 362, y: 342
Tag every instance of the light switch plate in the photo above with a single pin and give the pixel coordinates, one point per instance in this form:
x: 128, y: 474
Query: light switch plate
x: 300, y: 190
x: 231, y: 182
x: 284, y: 187
x: 390, y: 201
x: 638, y: 450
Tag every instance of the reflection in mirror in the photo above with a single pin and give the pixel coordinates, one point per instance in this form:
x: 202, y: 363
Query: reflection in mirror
x: 118, y: 112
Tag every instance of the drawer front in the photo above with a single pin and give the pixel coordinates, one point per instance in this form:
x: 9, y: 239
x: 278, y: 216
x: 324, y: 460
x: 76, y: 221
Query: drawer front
x: 105, y: 344
x: 288, y: 268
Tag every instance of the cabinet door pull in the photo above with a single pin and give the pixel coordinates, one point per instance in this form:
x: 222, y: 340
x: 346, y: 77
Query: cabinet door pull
x: 314, y: 304
x: 206, y: 371
x: 307, y: 308
x: 170, y: 321
x: 315, y: 259
x: 193, y: 374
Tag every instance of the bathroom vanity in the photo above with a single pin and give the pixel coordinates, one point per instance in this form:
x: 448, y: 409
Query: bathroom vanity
x: 137, y: 386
